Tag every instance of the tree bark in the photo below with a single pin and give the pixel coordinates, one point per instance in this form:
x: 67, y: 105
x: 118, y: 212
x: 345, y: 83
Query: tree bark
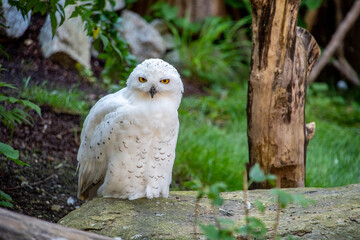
x: 20, y: 227
x: 282, y: 58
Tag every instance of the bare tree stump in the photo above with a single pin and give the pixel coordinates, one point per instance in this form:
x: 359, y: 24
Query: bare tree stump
x: 282, y: 58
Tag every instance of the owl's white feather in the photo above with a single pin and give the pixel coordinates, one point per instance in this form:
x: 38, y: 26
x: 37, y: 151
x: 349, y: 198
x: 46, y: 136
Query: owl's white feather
x: 128, y: 139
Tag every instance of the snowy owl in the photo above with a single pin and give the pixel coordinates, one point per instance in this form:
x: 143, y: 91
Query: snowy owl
x: 128, y: 139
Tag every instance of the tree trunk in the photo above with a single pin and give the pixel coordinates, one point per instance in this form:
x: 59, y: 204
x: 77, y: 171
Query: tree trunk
x: 282, y: 58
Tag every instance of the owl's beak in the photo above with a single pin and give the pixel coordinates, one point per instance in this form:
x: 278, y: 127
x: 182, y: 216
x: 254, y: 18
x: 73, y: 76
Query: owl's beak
x: 152, y: 91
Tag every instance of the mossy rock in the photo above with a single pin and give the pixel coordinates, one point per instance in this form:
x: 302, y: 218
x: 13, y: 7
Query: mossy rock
x: 334, y: 215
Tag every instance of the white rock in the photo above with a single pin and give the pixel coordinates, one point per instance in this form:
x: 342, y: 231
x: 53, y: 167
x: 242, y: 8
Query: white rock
x: 144, y: 40
x: 70, y: 201
x: 70, y: 43
x: 14, y: 20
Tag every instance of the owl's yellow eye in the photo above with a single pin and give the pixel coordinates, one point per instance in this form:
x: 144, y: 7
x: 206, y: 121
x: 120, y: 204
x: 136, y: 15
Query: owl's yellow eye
x: 141, y: 79
x: 165, y: 81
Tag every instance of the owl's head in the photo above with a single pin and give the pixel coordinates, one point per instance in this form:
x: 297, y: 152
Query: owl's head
x: 155, y: 78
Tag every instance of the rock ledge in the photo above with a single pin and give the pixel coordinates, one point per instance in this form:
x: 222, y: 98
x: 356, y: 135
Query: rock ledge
x: 335, y: 215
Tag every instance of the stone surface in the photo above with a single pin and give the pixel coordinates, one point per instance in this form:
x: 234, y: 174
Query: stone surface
x: 14, y: 20
x: 144, y: 40
x: 70, y: 43
x: 335, y: 215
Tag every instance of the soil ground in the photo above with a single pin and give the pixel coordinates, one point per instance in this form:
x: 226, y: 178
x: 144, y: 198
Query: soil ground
x: 45, y: 189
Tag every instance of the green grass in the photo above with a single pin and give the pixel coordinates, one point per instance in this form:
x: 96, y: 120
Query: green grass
x: 69, y: 100
x: 212, y: 144
x: 333, y: 156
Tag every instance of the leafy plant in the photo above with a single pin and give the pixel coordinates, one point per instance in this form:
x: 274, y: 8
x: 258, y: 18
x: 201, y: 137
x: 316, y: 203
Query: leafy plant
x: 16, y: 115
x: 5, y: 200
x: 103, y: 25
x: 100, y: 23
x: 10, y: 118
x: 254, y: 228
x: 217, y: 54
x: 39, y: 6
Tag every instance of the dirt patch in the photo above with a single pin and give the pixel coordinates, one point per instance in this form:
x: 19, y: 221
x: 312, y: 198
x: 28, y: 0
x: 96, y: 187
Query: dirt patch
x: 47, y: 188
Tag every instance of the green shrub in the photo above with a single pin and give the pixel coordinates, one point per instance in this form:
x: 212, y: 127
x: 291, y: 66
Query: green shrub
x: 10, y: 118
x: 103, y: 25
x: 100, y: 23
x: 216, y: 55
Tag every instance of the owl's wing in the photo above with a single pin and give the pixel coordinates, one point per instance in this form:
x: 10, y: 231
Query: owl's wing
x: 92, y: 155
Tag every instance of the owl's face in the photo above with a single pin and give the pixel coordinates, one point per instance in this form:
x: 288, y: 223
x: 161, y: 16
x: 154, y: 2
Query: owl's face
x: 155, y: 77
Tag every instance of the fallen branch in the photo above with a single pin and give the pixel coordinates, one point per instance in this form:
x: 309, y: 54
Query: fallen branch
x: 17, y: 226
x: 343, y: 66
x: 336, y: 41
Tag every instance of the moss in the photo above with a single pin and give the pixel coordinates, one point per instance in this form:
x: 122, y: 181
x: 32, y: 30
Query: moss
x: 335, y: 214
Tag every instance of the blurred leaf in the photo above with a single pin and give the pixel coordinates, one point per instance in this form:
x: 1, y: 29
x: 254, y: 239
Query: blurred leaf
x: 210, y: 231
x: 6, y: 204
x: 53, y: 22
x: 5, y: 196
x: 283, y: 197
x: 104, y: 40
x: 8, y: 151
x: 96, y: 32
x: 260, y: 206
x: 312, y: 4
x: 257, y: 175
x: 255, y: 228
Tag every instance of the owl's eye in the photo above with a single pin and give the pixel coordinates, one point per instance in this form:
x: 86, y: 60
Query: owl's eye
x: 165, y: 81
x: 142, y: 80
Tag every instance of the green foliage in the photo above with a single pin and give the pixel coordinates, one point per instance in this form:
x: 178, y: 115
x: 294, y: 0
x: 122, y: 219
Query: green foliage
x: 311, y: 4
x: 212, y: 191
x: 60, y: 99
x: 16, y: 115
x: 212, y: 144
x: 243, y: 4
x: 10, y: 118
x: 306, y: 5
x: 212, y: 232
x: 285, y: 198
x: 258, y: 176
x: 212, y: 139
x: 165, y: 11
x: 5, y: 200
x: 11, y: 153
x: 103, y: 26
x: 52, y: 7
x: 254, y: 227
x: 334, y: 150
x: 216, y: 54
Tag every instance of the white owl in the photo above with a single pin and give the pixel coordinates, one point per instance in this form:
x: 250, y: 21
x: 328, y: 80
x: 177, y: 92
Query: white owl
x: 128, y: 139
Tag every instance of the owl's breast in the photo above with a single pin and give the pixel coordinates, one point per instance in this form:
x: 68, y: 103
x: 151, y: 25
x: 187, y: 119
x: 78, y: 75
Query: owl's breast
x: 155, y: 117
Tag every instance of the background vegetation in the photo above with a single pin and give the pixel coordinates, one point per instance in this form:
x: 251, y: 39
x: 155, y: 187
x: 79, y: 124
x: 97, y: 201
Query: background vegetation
x: 214, y: 55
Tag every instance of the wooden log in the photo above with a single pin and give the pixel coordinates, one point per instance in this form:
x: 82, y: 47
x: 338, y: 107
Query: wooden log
x: 282, y: 58
x: 16, y: 226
